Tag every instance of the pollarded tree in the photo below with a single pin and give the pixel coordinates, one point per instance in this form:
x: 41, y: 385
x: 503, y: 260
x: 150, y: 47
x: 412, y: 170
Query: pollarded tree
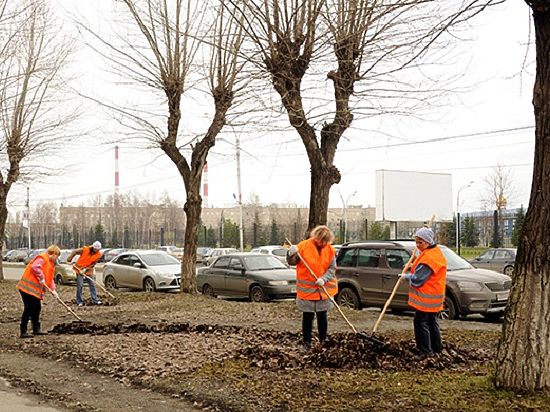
x: 523, y: 357
x: 364, y: 47
x: 165, y: 47
x: 33, y: 54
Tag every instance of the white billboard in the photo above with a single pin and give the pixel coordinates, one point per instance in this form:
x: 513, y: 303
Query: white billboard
x: 413, y: 196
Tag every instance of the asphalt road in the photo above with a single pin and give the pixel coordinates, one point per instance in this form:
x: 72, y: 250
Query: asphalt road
x: 13, y: 271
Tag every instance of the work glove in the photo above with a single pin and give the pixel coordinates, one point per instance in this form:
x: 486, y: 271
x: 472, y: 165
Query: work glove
x: 42, y: 282
x: 320, y: 282
x: 292, y: 250
x: 405, y: 276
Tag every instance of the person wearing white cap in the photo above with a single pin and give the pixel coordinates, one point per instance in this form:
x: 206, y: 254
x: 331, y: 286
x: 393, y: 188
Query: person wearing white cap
x: 427, y: 291
x: 84, y: 269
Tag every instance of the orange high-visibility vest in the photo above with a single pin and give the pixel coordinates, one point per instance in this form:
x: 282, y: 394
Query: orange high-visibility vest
x: 87, y: 260
x: 306, y: 288
x: 29, y: 282
x: 430, y: 297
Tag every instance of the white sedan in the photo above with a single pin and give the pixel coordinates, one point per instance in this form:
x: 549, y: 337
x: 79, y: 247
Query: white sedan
x: 149, y: 270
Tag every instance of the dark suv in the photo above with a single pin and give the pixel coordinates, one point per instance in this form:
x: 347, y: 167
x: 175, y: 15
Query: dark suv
x: 367, y: 272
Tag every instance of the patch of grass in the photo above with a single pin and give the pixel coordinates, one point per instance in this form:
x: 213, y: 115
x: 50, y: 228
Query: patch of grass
x: 471, y: 252
x: 331, y: 390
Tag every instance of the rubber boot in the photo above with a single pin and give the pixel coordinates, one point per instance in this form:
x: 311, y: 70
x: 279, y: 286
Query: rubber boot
x: 37, y: 330
x: 24, y: 333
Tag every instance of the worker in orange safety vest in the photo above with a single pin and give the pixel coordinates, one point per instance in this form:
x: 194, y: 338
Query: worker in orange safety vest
x: 311, y: 300
x: 37, y: 276
x: 427, y: 291
x: 84, y: 269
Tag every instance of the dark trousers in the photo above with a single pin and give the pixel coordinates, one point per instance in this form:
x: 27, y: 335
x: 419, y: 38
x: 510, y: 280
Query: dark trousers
x: 31, y: 312
x: 426, y: 332
x: 307, y: 325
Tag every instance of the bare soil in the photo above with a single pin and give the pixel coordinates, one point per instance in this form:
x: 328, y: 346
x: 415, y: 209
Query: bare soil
x: 167, y: 351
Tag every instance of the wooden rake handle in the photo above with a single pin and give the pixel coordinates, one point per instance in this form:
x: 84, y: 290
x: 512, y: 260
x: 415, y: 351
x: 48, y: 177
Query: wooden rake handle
x: 63, y: 303
x: 324, y: 290
x: 393, y: 292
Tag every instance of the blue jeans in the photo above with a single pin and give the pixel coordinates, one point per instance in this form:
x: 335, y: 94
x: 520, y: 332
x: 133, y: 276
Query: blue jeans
x: 79, y: 284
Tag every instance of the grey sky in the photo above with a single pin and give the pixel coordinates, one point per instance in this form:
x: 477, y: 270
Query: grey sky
x: 498, y: 104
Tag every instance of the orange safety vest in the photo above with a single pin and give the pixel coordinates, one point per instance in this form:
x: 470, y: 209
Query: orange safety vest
x: 430, y: 297
x: 87, y: 260
x: 29, y: 282
x: 306, y: 288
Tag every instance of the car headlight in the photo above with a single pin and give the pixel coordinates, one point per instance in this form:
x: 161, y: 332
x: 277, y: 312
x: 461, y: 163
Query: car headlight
x: 278, y: 282
x: 470, y: 286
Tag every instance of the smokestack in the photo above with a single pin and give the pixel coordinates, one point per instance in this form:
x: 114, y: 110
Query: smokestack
x: 205, y: 185
x: 116, y: 171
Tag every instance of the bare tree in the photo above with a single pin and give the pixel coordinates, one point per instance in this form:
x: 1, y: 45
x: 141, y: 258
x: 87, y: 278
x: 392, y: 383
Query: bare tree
x: 32, y: 54
x: 499, y: 188
x: 523, y: 358
x: 173, y: 37
x: 364, y: 47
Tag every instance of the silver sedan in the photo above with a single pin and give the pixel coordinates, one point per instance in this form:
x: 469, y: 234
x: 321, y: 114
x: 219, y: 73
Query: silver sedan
x: 149, y: 270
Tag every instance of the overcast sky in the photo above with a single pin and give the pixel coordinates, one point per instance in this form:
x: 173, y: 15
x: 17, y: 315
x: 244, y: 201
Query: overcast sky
x: 487, y: 125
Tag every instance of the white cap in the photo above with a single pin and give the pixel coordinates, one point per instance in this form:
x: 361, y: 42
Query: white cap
x: 96, y: 245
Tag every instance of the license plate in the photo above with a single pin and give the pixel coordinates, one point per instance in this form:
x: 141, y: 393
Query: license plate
x: 502, y: 296
x: 292, y: 290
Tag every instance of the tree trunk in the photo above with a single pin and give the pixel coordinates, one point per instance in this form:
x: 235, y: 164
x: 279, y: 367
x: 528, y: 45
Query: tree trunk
x: 3, y: 219
x: 523, y: 358
x: 321, y: 183
x: 193, y: 210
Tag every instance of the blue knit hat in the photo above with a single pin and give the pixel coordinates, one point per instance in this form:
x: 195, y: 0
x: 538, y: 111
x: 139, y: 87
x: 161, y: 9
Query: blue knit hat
x: 426, y: 234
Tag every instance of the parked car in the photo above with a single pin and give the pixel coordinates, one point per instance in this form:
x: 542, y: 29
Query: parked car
x: 103, y: 253
x: 243, y: 275
x: 17, y: 255
x: 64, y: 273
x: 175, y: 251
x: 276, y: 251
x: 202, y: 254
x: 500, y: 260
x: 367, y: 272
x: 8, y: 254
x: 149, y: 270
x: 112, y: 253
x: 217, y: 252
x: 33, y: 254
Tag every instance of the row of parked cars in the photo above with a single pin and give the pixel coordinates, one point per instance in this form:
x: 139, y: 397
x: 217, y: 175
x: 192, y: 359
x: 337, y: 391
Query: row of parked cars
x: 366, y: 273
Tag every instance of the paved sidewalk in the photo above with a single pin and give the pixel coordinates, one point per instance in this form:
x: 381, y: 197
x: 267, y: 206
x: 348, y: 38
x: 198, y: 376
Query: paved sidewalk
x: 11, y: 400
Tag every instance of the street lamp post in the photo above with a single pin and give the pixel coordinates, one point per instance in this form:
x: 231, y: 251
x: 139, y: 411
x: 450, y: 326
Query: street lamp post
x: 458, y: 215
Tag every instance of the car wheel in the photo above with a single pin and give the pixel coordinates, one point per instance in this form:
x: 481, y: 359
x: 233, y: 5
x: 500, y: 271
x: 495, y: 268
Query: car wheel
x: 509, y: 270
x: 450, y: 309
x: 349, y: 299
x: 110, y: 282
x: 149, y: 285
x: 257, y: 294
x: 58, y: 279
x: 208, y: 290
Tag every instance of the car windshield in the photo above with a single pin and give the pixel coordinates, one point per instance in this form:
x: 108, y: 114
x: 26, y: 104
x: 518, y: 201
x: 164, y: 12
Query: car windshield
x: 454, y: 262
x: 159, y: 259
x: 263, y: 263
